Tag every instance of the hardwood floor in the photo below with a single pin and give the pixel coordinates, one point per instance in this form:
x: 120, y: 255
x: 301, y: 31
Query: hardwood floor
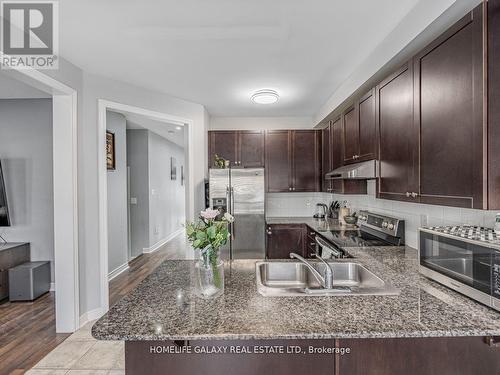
x: 27, y: 329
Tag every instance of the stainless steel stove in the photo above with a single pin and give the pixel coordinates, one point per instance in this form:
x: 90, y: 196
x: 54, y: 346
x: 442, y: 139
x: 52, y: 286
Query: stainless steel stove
x: 374, y: 230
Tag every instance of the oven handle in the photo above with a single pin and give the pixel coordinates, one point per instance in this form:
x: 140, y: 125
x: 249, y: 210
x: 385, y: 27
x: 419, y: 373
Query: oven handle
x: 322, y: 243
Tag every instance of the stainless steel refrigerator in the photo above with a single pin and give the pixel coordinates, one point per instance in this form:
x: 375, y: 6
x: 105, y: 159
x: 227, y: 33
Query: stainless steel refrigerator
x: 241, y: 192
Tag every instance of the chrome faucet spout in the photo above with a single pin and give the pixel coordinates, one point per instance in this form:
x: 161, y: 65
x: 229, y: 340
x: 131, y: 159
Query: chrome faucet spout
x: 325, y: 281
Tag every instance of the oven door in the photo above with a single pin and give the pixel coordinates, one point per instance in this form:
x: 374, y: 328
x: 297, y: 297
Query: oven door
x: 468, y: 263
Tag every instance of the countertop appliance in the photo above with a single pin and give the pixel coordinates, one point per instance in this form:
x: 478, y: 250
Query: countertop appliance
x: 374, y: 230
x: 321, y: 211
x: 465, y: 258
x: 241, y: 192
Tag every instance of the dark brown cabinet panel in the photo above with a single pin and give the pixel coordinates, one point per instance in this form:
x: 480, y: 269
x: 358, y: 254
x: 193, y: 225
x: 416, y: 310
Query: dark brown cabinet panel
x: 251, y: 149
x: 283, y: 239
x: 337, y: 144
x: 416, y: 356
x: 398, y: 138
x: 493, y: 104
x: 367, y: 127
x: 351, y: 135
x: 293, y: 160
x: 326, y: 158
x: 278, y: 160
x: 448, y: 112
x: 305, y: 160
x: 242, y: 148
x: 223, y: 144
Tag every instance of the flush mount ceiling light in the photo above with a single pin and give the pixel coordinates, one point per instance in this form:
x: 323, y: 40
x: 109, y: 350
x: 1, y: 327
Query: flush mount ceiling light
x: 265, y: 97
x: 178, y: 128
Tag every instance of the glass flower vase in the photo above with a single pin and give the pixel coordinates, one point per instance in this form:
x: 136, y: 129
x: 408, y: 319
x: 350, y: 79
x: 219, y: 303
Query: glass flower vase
x: 209, y: 270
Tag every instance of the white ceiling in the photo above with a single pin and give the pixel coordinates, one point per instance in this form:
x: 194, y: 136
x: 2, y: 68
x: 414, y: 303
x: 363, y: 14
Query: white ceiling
x: 218, y: 52
x: 163, y: 129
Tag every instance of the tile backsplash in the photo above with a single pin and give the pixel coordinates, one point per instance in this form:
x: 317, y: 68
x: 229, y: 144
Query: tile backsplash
x: 415, y: 215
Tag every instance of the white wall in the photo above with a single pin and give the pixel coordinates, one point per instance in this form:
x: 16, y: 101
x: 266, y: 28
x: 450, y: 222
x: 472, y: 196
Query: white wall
x: 117, y: 195
x: 166, y: 196
x: 26, y: 154
x: 294, y: 204
x: 137, y: 161
x: 257, y: 123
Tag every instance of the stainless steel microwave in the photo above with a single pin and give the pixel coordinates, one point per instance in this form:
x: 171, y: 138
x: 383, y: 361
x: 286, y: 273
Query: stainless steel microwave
x: 463, y: 258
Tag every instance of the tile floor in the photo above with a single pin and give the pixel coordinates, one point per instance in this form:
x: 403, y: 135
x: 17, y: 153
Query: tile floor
x: 82, y: 354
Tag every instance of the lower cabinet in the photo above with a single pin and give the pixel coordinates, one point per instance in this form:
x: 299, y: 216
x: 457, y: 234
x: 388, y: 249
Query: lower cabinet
x: 416, y: 356
x: 283, y: 239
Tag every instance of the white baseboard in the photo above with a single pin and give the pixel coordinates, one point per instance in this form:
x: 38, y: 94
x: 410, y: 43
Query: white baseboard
x: 162, y: 242
x: 52, y: 287
x: 90, y: 315
x: 118, y: 270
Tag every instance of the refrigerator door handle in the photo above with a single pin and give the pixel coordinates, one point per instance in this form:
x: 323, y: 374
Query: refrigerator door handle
x: 232, y: 212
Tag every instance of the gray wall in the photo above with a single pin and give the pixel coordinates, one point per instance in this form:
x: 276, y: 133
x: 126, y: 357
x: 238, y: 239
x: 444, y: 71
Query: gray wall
x: 26, y: 153
x: 137, y: 160
x: 167, y: 197
x: 117, y: 194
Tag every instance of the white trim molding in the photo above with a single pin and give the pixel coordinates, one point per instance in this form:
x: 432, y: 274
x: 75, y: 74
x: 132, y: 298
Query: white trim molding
x: 90, y: 316
x: 65, y: 181
x: 118, y: 270
x: 102, y: 106
x: 159, y: 244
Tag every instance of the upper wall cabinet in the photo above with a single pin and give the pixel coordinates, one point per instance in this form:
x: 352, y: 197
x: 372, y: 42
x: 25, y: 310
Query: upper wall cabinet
x: 360, y: 130
x: 293, y: 160
x: 449, y: 114
x: 326, y: 157
x: 244, y: 148
x: 398, y: 138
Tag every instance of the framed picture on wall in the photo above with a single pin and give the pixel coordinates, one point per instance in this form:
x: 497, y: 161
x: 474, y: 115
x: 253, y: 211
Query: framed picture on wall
x: 110, y: 151
x: 173, y: 169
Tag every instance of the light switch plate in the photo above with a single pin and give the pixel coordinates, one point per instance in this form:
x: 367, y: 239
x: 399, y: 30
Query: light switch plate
x: 133, y: 200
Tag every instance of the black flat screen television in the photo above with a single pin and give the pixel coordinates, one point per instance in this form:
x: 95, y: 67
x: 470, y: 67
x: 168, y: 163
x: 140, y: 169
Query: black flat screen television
x: 4, y: 209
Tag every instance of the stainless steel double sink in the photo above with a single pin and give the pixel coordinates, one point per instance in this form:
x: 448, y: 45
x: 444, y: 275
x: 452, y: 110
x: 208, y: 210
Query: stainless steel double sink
x: 286, y: 278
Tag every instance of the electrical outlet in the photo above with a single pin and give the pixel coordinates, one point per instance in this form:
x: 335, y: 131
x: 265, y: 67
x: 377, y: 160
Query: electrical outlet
x: 424, y: 220
x: 133, y: 200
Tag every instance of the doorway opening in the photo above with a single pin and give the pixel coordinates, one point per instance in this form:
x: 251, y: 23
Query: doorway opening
x: 145, y: 190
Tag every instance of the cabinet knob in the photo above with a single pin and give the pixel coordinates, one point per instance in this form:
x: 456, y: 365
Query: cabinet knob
x: 269, y: 232
x: 290, y: 188
x: 414, y: 195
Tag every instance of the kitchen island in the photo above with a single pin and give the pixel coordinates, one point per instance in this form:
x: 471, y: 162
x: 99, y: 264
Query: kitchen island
x: 427, y: 327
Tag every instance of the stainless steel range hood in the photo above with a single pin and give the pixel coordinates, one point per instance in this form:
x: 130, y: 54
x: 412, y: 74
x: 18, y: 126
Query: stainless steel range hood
x: 365, y: 170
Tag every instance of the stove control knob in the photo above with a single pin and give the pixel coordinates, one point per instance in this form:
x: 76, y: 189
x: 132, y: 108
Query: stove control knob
x: 384, y: 224
x: 390, y: 226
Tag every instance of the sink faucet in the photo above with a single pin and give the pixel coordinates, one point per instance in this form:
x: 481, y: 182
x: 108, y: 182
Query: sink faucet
x: 326, y: 281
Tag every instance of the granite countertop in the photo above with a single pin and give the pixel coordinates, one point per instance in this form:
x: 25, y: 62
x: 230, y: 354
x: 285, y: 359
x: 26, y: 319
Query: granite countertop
x: 423, y: 308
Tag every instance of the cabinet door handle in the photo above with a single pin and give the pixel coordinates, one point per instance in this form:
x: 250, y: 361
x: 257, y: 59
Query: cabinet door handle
x: 312, y: 243
x: 269, y: 232
x: 312, y: 233
x: 408, y: 194
x: 492, y: 340
x: 414, y: 195
x: 290, y: 188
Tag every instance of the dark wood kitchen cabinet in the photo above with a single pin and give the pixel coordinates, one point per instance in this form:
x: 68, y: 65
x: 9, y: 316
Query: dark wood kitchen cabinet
x: 244, y: 148
x: 305, y: 160
x: 360, y: 130
x: 351, y: 135
x: 283, y: 239
x: 367, y: 127
x: 292, y: 160
x: 449, y: 114
x: 398, y: 136
x: 337, y: 144
x: 278, y: 161
x: 326, y: 157
x: 223, y: 144
x: 416, y: 356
